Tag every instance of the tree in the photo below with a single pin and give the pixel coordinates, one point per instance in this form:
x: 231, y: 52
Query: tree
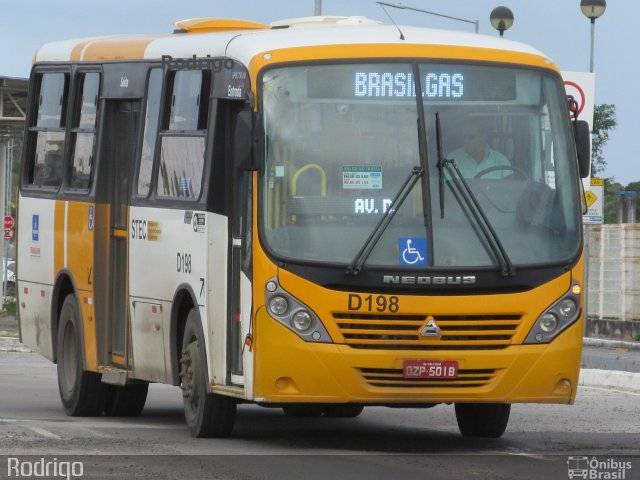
x: 635, y: 187
x: 611, y: 188
x: 604, y: 120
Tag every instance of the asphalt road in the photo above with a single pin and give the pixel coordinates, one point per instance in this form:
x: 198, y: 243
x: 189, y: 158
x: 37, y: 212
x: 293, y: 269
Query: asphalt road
x: 604, y: 358
x: 381, y: 443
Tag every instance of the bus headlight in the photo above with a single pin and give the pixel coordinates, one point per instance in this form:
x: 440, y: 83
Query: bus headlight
x: 293, y: 314
x: 556, y: 318
x: 548, y: 322
x: 278, y: 305
x: 567, y: 308
x: 302, y: 321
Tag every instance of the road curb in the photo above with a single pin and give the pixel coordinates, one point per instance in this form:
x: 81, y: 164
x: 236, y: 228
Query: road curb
x: 602, y: 342
x: 591, y: 377
x: 12, y: 344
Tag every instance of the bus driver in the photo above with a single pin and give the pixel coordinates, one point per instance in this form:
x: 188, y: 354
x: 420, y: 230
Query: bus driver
x: 476, y: 155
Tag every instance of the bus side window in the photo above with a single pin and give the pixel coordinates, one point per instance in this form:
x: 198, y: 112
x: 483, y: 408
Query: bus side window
x: 152, y: 114
x: 84, y: 130
x: 182, y: 143
x: 47, y: 133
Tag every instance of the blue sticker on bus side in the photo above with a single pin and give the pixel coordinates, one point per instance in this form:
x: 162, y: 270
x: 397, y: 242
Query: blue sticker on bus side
x: 413, y: 251
x: 35, y: 228
x: 92, y: 217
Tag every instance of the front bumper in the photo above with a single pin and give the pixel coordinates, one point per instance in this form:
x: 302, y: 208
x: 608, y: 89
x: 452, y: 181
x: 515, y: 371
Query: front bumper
x: 289, y: 370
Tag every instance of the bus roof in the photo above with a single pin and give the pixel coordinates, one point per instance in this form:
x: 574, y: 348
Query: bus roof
x: 244, y: 40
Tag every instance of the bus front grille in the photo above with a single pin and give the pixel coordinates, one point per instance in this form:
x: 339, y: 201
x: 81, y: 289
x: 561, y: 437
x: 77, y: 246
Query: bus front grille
x: 403, y: 332
x: 393, y: 378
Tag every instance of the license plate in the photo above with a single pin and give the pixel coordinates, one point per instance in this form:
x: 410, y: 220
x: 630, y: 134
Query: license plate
x: 430, y: 369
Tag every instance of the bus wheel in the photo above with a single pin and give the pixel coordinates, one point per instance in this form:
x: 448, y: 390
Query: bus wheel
x: 207, y: 414
x: 343, y: 411
x: 81, y: 392
x: 127, y: 400
x: 488, y: 420
x: 302, y: 411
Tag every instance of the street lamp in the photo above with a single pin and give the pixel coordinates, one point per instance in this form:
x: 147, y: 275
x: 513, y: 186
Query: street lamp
x: 501, y: 19
x: 593, y: 9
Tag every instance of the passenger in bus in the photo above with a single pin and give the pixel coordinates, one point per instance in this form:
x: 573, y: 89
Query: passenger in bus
x: 476, y: 155
x: 50, y: 173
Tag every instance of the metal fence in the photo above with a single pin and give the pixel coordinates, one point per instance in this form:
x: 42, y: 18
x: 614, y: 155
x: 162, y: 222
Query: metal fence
x: 613, y: 290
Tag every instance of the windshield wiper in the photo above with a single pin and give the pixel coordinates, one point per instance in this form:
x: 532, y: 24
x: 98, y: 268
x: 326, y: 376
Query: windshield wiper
x: 355, y: 267
x: 471, y: 201
x: 441, y: 164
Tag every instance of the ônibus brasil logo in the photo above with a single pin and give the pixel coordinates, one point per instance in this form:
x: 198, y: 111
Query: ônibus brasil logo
x: 593, y: 468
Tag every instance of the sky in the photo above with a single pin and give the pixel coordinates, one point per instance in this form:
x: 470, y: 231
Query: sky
x: 556, y: 27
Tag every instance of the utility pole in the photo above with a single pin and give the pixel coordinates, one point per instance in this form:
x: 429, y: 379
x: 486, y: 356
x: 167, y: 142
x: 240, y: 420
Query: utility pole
x: 317, y: 11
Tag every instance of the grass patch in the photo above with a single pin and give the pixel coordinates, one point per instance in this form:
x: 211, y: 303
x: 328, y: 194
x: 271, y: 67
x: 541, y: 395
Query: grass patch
x: 9, y: 307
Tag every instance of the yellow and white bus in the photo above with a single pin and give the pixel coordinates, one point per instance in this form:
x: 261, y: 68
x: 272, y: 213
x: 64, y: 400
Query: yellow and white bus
x: 316, y: 214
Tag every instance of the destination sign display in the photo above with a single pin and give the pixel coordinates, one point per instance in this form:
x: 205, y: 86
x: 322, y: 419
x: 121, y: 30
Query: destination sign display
x: 402, y: 85
x: 398, y: 82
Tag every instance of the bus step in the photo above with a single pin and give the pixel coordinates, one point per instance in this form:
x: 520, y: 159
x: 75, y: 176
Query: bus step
x: 114, y: 376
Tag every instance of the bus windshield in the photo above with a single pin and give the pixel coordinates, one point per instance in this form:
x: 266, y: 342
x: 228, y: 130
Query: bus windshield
x: 341, y: 139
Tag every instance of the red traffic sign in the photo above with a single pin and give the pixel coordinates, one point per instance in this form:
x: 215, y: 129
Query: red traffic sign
x: 8, y: 234
x: 572, y: 88
x: 9, y: 222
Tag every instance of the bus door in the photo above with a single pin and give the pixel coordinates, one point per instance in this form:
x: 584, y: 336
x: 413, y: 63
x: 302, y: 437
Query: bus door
x: 121, y: 133
x: 233, y: 139
x: 237, y: 188
x: 239, y: 257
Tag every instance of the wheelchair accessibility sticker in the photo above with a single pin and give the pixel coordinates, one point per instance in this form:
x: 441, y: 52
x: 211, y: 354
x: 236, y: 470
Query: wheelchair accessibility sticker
x: 413, y: 251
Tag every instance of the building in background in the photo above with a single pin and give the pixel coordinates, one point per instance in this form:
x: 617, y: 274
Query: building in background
x: 13, y: 107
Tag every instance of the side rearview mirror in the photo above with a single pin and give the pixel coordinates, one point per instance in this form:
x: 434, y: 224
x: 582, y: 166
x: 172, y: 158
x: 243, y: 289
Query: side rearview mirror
x: 245, y: 155
x: 582, y: 137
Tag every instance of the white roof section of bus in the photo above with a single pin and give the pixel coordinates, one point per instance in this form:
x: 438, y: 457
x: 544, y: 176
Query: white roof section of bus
x: 244, y: 45
x: 323, y: 21
x: 61, y: 51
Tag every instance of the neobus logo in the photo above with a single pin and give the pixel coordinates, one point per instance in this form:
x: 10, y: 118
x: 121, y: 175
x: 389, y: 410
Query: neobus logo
x: 429, y: 280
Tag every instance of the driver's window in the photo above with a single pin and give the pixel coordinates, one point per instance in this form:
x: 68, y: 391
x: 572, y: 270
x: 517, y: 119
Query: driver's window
x: 47, y: 132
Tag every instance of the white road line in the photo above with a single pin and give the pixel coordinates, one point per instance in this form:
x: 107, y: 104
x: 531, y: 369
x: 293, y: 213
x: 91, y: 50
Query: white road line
x: 535, y: 456
x: 45, y: 433
x: 131, y: 426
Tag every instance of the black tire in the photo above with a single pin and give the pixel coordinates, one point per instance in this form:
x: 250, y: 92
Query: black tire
x: 126, y: 401
x: 486, y: 420
x: 81, y: 392
x: 343, y: 411
x: 208, y: 415
x: 303, y: 411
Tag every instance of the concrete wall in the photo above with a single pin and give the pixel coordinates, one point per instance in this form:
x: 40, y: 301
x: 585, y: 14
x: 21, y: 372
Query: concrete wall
x: 613, y: 290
